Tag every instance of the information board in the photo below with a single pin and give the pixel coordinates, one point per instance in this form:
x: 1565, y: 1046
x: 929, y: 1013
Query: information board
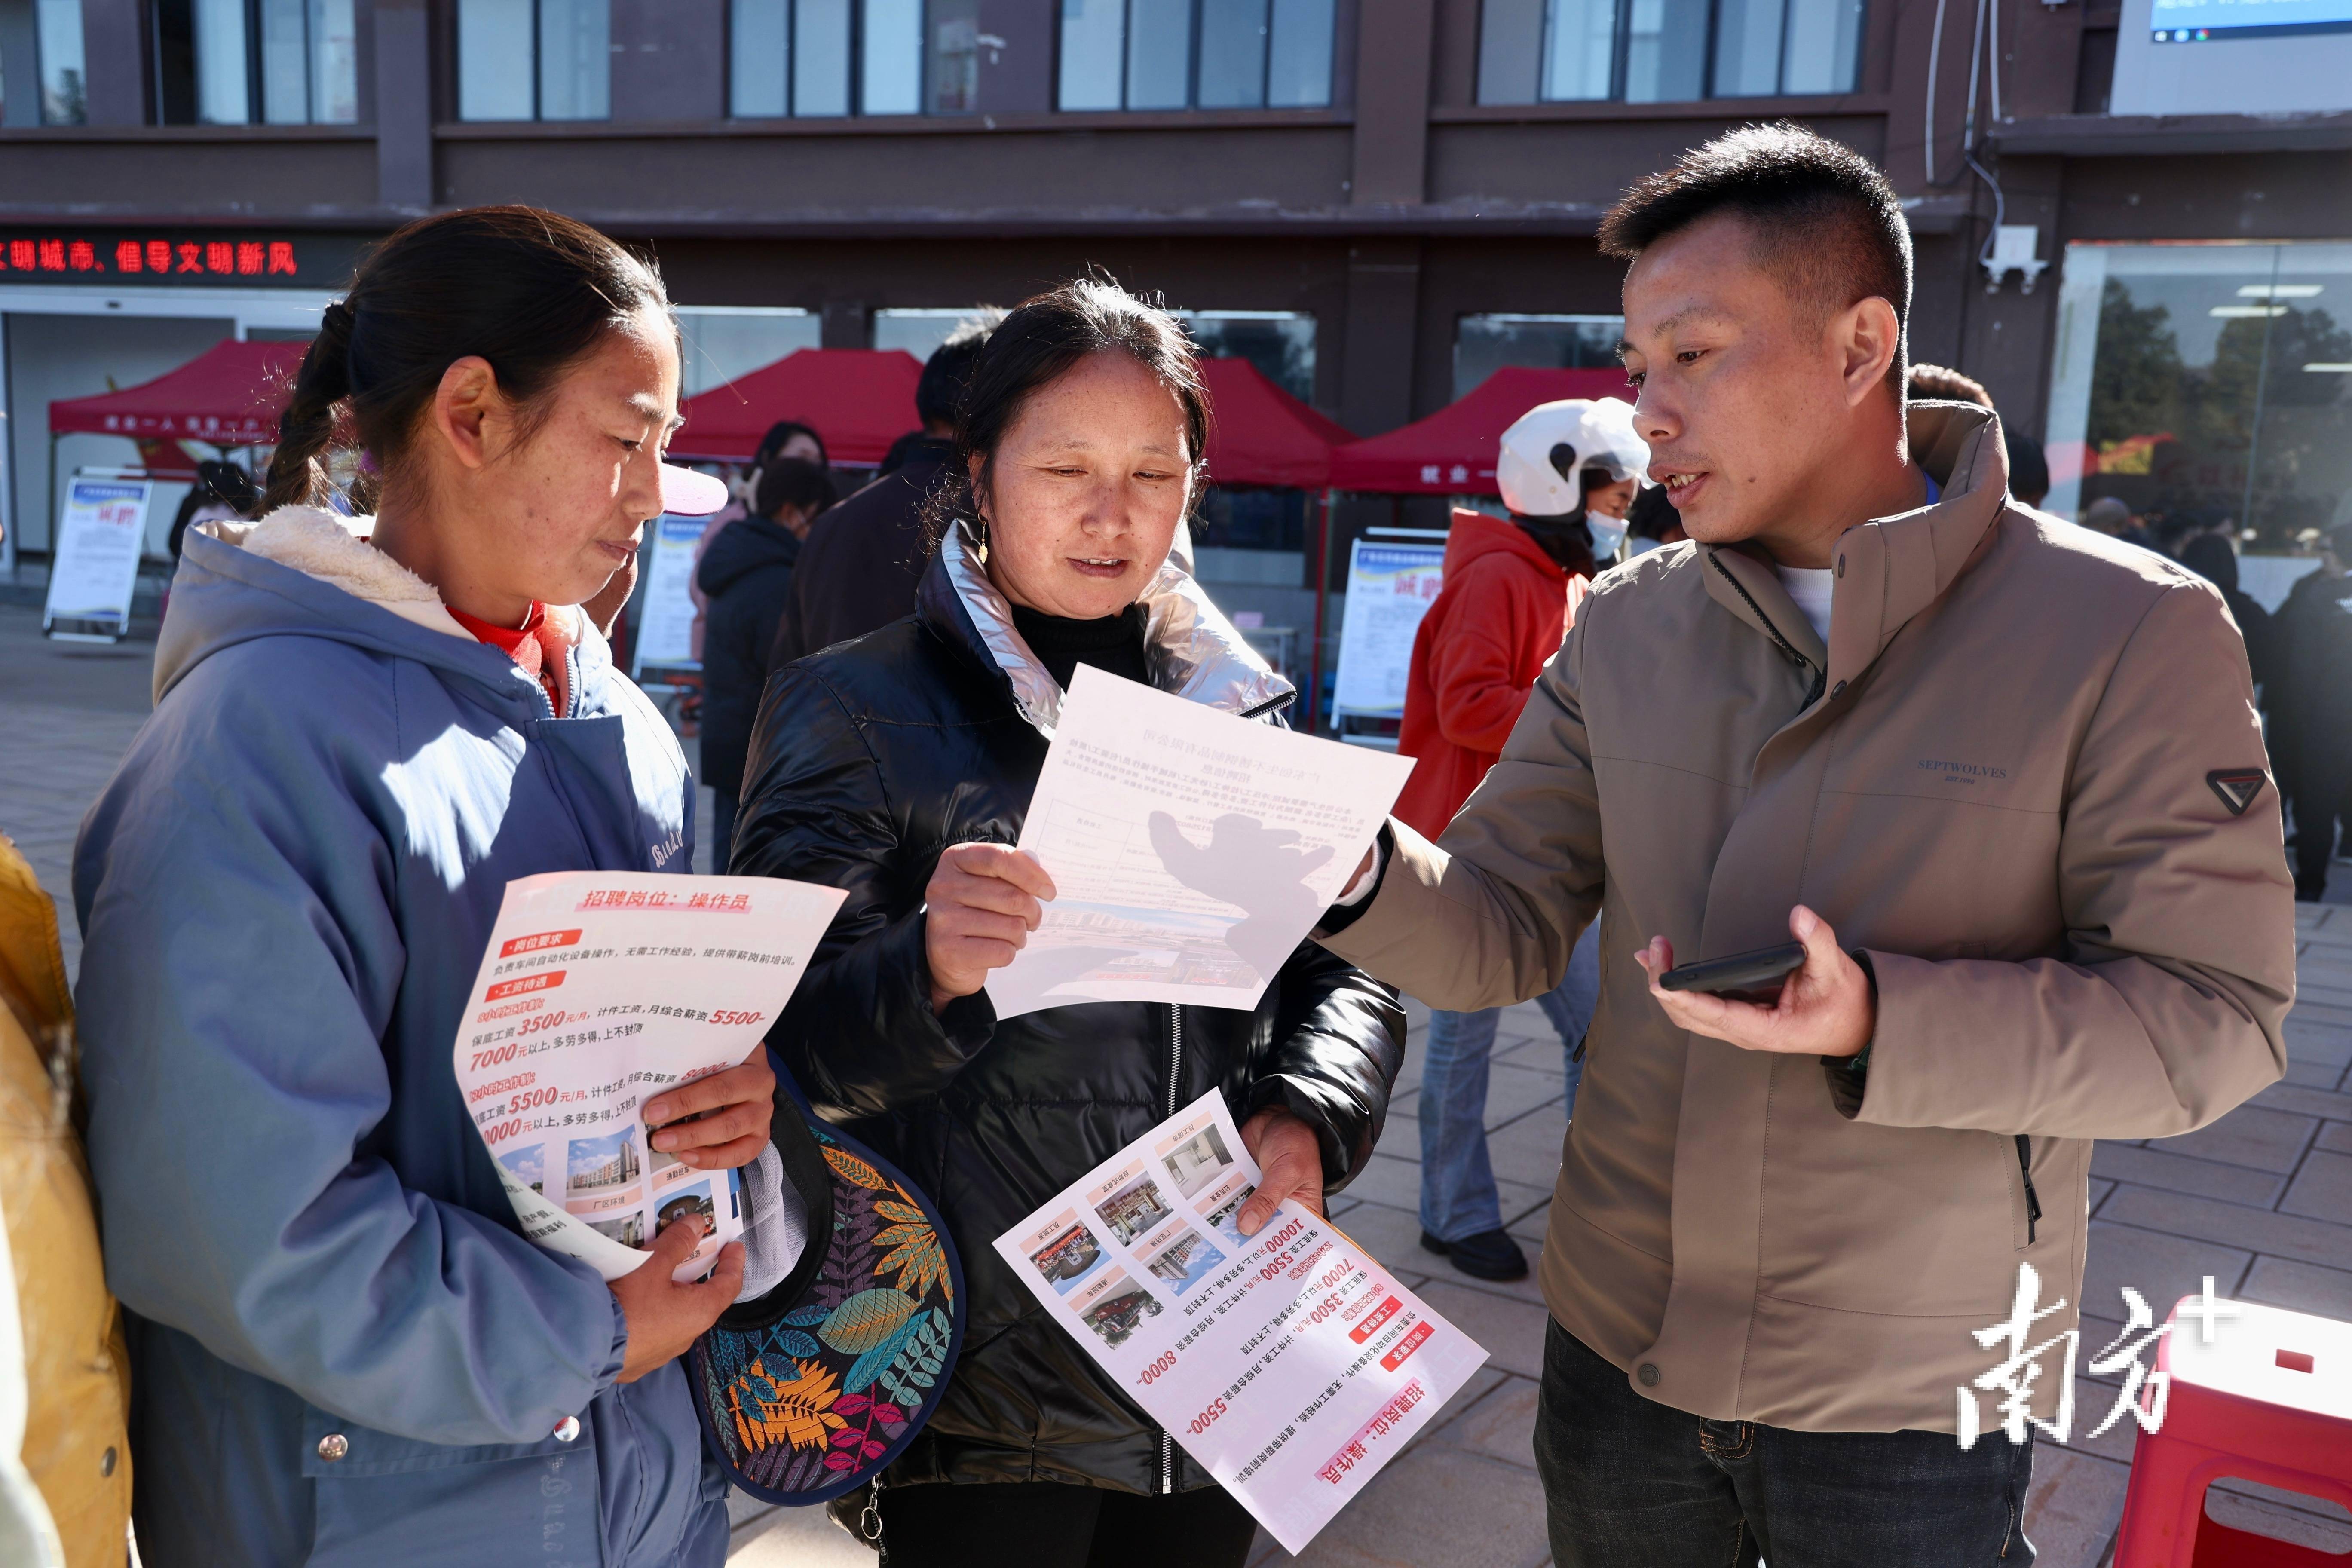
x: 1389, y: 588
x: 666, y: 623
x: 95, y: 568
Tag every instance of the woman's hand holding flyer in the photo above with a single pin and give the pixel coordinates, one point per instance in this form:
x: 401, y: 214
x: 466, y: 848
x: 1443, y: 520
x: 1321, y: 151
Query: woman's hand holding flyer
x: 611, y: 1054
x: 1286, y: 1359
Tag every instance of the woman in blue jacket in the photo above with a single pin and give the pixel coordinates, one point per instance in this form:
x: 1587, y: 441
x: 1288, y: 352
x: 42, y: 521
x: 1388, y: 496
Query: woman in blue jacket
x: 343, y: 1351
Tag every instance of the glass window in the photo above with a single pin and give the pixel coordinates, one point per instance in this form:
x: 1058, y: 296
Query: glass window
x: 794, y: 57
x: 955, y: 56
x: 1195, y: 54
x: 1665, y: 50
x: 1579, y: 49
x: 759, y: 58
x: 821, y: 60
x: 1299, y: 57
x: 1508, y: 68
x: 1232, y: 54
x: 58, y: 26
x: 717, y: 344
x: 893, y: 58
x: 494, y: 60
x: 1280, y: 343
x: 534, y: 60
x: 575, y: 59
x: 2206, y: 383
x: 1656, y: 51
x: 1484, y: 345
x: 1093, y: 39
x: 256, y: 62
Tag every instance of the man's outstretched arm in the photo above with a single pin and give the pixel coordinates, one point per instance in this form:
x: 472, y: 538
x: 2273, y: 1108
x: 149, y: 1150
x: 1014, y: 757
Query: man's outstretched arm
x: 1487, y: 915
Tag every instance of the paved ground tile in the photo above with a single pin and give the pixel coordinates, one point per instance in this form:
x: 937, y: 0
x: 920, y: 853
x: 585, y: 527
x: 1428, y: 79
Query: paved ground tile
x: 2076, y: 1504
x: 1436, y: 1504
x: 2299, y: 1287
x: 2265, y: 1140
x: 2280, y: 1234
x: 1512, y: 1331
x: 2156, y: 1166
x: 2161, y: 1267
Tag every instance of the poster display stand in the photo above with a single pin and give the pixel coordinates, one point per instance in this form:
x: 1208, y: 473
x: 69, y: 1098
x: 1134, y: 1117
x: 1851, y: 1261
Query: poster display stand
x: 665, y: 634
x: 101, y: 530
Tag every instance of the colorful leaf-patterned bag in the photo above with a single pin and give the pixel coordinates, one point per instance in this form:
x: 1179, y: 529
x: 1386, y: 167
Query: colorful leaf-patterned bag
x: 810, y: 1390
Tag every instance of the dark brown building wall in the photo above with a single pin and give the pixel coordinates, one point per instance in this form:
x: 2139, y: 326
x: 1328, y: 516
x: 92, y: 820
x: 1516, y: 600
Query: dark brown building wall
x: 1590, y: 158
x: 906, y: 171
x: 204, y: 172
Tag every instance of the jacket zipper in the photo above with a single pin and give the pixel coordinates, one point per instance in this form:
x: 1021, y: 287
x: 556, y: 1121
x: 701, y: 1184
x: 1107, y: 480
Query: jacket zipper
x: 1821, y: 677
x: 1175, y: 1070
x: 1271, y: 705
x: 2032, y: 1199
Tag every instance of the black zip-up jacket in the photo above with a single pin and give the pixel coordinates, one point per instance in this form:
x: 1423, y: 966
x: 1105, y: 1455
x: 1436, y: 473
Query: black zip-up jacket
x: 746, y: 575
x: 869, y: 760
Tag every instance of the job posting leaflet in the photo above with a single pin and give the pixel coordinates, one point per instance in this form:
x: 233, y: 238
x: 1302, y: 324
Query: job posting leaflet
x: 599, y: 990
x: 1289, y: 1363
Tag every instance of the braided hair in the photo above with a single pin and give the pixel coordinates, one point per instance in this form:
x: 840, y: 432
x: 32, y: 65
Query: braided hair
x: 530, y: 291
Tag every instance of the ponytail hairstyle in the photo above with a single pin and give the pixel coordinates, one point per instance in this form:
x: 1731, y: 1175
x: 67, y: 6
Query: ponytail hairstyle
x: 1038, y: 343
x: 530, y: 291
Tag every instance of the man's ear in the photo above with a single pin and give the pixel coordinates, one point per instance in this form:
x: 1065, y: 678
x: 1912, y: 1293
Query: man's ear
x: 464, y: 405
x: 1867, y: 337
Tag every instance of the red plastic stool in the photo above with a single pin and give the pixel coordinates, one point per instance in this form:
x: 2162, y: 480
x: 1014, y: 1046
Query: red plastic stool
x: 2269, y: 1401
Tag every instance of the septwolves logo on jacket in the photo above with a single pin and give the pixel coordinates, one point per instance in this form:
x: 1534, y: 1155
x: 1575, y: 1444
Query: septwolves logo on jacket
x: 1963, y: 772
x: 2237, y: 787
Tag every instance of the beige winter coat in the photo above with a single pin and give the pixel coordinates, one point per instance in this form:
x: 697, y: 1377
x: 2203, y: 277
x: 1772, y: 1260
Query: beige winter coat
x: 2006, y: 779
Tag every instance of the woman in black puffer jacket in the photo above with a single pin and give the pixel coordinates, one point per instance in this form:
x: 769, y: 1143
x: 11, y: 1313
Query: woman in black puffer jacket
x: 899, y: 766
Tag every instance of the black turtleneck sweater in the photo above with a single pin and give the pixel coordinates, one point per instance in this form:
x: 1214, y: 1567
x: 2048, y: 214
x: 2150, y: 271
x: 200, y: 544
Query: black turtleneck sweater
x: 1114, y: 643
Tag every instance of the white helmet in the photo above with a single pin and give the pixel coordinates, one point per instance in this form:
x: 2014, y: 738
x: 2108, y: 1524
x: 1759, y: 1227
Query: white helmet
x: 1545, y: 446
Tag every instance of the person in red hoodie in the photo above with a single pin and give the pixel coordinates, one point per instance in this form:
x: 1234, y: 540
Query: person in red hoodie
x: 1568, y: 471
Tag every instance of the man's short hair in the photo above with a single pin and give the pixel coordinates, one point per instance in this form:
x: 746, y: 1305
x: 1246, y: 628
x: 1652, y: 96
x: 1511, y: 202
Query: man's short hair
x: 1942, y: 383
x: 948, y: 369
x: 1823, y: 217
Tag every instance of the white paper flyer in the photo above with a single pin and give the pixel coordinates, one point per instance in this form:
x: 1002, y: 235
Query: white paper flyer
x: 1192, y: 850
x: 599, y: 990
x: 1290, y: 1363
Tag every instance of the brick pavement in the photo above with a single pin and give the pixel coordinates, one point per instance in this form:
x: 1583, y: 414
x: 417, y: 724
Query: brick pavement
x: 2262, y: 1200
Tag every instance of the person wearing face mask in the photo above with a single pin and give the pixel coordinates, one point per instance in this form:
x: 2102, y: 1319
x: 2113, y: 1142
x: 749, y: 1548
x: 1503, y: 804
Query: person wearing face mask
x: 1569, y: 471
x: 898, y: 766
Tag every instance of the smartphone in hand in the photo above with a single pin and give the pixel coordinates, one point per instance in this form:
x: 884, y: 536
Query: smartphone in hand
x: 1742, y: 978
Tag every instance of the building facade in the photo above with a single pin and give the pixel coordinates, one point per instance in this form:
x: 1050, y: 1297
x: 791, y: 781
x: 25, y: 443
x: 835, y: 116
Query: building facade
x: 1377, y: 200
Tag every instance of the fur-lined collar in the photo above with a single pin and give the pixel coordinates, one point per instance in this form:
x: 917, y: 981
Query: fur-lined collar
x: 334, y: 549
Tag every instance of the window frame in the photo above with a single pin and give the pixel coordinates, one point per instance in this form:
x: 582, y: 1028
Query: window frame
x: 854, y: 90
x: 255, y: 85
x: 1192, y: 105
x: 1621, y: 44
x: 452, y: 35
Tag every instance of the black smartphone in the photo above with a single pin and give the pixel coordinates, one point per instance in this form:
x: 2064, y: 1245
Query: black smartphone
x: 1742, y: 978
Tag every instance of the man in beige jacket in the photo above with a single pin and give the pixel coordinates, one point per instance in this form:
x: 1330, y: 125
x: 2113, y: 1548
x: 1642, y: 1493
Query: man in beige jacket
x: 2002, y: 778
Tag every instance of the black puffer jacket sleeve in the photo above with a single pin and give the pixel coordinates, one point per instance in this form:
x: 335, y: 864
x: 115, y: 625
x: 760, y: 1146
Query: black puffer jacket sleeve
x: 859, y: 1032
x: 1338, y: 1042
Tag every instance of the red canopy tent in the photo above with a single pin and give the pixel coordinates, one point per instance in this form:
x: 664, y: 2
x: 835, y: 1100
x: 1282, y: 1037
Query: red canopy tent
x: 1453, y: 451
x: 859, y: 400
x: 228, y: 395
x: 1260, y: 434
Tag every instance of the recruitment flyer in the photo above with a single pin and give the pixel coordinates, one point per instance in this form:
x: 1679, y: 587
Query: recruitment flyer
x: 1289, y: 1363
x: 598, y: 991
x: 1192, y: 850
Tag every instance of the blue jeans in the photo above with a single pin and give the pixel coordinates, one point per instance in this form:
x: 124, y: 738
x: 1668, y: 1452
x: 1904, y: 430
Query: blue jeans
x: 1631, y: 1483
x: 1458, y: 1199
